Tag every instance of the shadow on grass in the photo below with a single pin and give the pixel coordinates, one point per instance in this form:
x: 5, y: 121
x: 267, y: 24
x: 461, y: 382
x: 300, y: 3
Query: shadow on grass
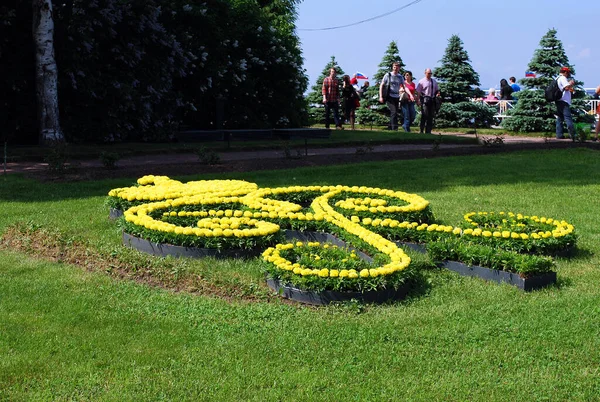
x: 556, y: 168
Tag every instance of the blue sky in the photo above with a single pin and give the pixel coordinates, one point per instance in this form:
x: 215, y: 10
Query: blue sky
x: 500, y: 36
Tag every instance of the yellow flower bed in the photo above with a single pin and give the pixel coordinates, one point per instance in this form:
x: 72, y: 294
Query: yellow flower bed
x: 161, y: 199
x: 158, y: 188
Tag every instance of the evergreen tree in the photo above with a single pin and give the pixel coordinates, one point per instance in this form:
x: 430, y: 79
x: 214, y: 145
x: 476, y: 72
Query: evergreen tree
x: 459, y: 83
x: 457, y: 79
x: 315, y: 97
x: 378, y: 113
x: 533, y: 112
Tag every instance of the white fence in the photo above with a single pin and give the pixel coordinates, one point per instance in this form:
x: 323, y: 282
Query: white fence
x: 593, y: 106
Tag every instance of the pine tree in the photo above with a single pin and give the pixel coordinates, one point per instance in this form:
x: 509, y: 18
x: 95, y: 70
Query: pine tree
x: 315, y: 97
x: 458, y: 80
x: 391, y: 55
x: 533, y: 112
x: 459, y: 83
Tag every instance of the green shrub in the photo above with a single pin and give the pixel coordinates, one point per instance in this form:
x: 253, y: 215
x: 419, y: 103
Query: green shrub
x: 465, y: 114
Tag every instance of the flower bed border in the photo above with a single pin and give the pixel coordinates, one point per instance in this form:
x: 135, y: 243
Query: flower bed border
x: 494, y: 275
x: 330, y: 296
x: 413, y: 246
x: 164, y: 250
x: 115, y: 213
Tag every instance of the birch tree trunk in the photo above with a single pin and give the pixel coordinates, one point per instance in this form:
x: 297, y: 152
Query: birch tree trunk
x: 46, y: 76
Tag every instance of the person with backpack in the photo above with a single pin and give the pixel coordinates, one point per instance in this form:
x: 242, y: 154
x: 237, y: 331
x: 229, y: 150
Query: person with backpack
x: 563, y: 105
x: 389, y: 92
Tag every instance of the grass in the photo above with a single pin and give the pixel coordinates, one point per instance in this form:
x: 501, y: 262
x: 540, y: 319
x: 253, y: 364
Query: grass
x: 70, y: 333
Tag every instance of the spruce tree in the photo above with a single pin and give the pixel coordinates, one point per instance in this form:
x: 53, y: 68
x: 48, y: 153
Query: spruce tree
x: 457, y: 79
x: 459, y: 83
x: 533, y: 112
x: 315, y: 97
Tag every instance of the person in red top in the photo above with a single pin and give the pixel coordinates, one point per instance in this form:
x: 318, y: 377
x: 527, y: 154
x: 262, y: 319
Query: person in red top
x: 331, y: 98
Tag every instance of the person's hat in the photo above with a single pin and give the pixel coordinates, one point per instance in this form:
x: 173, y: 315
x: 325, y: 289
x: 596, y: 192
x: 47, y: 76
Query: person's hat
x: 565, y: 70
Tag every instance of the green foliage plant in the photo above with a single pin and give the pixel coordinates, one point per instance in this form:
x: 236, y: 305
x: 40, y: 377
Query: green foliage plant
x: 208, y: 156
x: 109, y: 159
x: 57, y: 158
x: 465, y: 114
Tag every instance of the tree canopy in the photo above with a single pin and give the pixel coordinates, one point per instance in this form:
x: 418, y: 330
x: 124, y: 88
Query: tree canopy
x: 459, y: 83
x: 457, y: 79
x: 136, y: 70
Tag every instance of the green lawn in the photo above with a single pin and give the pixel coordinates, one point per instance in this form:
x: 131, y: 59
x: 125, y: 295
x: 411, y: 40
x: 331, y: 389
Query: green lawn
x: 70, y: 334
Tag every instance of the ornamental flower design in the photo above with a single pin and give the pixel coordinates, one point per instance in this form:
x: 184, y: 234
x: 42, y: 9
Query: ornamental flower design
x: 238, y: 214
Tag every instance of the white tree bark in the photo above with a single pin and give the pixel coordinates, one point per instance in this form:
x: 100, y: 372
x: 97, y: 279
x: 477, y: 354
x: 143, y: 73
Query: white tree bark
x: 46, y: 73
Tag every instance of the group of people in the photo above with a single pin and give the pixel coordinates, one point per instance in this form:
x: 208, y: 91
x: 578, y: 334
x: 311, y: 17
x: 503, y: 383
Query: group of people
x: 398, y: 91
x: 395, y: 90
x: 350, y: 99
x: 506, y: 91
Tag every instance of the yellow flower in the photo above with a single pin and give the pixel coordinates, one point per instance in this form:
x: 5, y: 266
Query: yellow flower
x: 306, y: 271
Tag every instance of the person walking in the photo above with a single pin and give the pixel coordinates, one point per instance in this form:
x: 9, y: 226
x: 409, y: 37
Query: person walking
x: 389, y: 92
x: 563, y: 105
x: 407, y: 103
x: 331, y: 98
x: 427, y: 89
x: 362, y: 92
x: 350, y: 100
